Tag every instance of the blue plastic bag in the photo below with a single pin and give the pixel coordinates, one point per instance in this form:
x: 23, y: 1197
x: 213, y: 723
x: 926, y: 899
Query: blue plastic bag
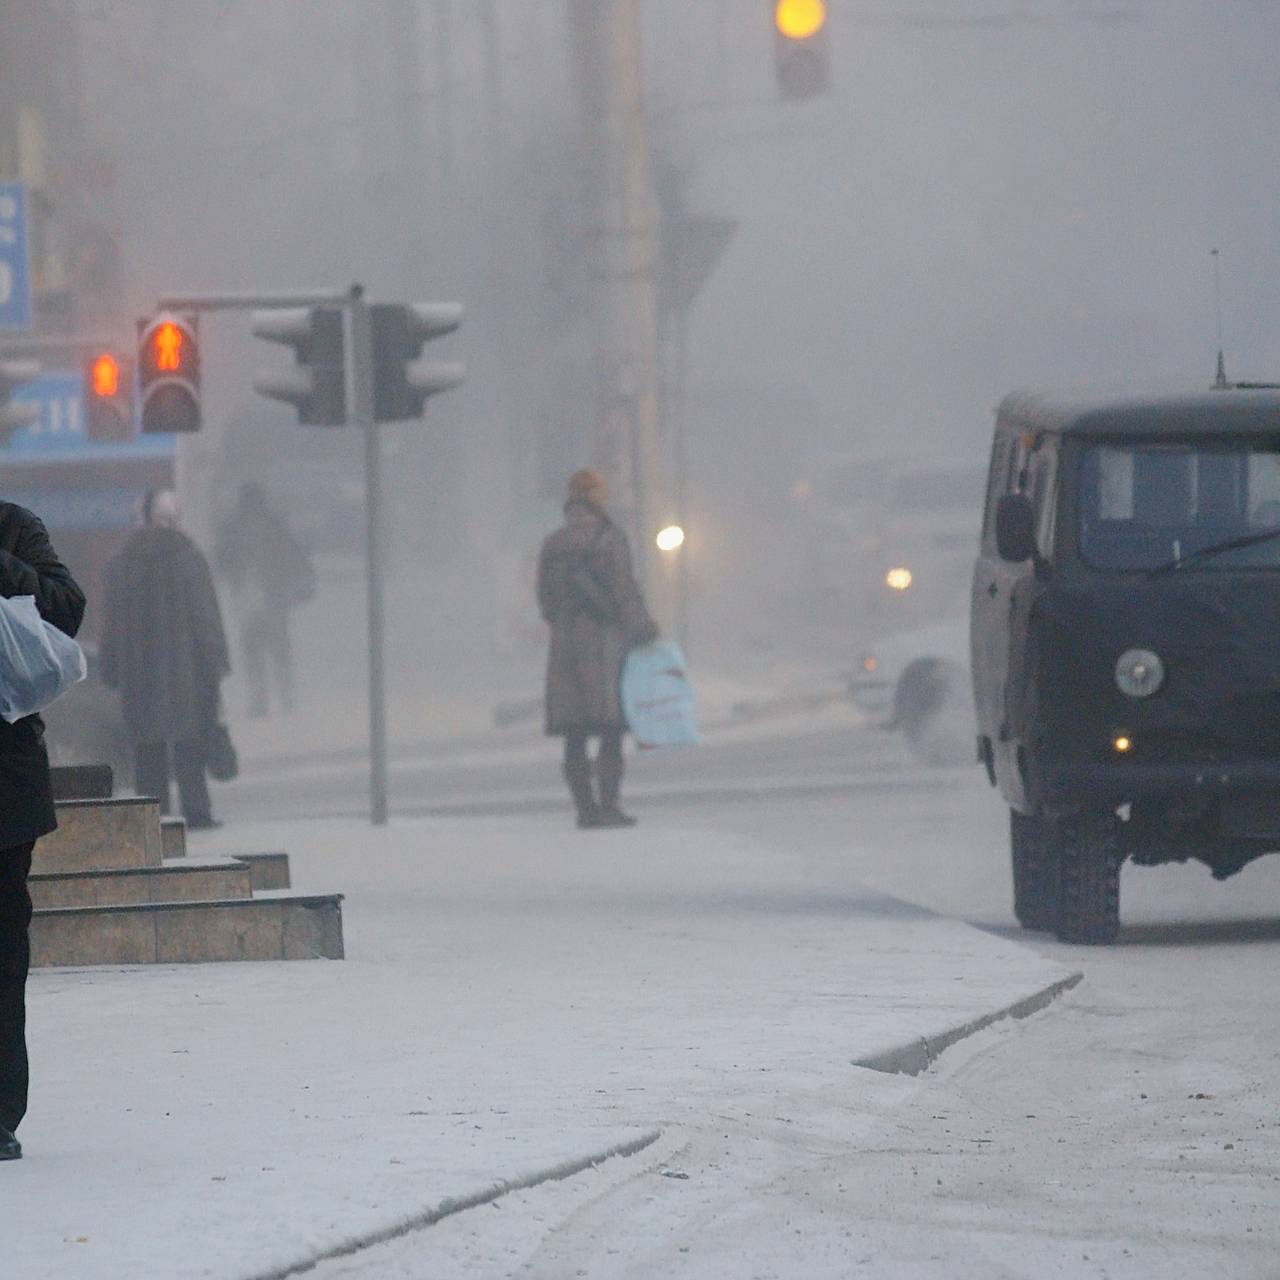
x: 38, y: 664
x: 657, y: 697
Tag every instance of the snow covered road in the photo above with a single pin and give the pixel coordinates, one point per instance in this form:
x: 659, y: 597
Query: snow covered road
x: 519, y: 997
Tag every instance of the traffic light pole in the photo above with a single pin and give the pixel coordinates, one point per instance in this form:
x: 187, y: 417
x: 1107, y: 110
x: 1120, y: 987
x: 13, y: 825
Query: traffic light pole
x: 359, y: 362
x: 360, y: 402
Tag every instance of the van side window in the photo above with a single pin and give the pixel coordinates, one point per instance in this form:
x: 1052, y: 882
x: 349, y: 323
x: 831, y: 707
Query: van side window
x: 1042, y: 489
x: 997, y: 487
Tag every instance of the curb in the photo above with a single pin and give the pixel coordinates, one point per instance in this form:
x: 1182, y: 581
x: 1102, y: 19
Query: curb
x: 916, y: 1056
x: 459, y: 1204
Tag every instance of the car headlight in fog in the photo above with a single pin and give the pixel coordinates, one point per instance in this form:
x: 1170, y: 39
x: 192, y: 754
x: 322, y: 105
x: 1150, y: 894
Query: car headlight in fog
x: 1139, y: 673
x: 898, y: 578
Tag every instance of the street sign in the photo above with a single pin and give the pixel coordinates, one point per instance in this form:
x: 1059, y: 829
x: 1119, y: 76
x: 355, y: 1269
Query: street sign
x: 15, y: 277
x: 693, y: 247
x: 59, y: 433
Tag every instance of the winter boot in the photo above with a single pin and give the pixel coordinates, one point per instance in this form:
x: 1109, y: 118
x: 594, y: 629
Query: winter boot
x: 577, y: 774
x: 10, y: 1147
x: 609, y: 772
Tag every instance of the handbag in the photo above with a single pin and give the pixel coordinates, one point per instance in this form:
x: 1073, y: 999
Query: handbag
x: 220, y: 758
x: 588, y: 593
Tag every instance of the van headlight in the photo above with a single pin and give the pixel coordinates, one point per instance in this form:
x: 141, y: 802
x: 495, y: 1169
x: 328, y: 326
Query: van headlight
x: 1139, y: 673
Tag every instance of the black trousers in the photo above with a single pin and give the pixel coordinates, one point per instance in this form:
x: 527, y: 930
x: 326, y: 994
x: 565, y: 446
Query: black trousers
x: 608, y: 762
x: 151, y: 777
x: 264, y: 640
x: 15, y: 960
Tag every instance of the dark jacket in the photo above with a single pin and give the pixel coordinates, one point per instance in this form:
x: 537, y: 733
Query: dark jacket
x: 584, y: 666
x: 29, y: 567
x: 163, y: 646
x: 256, y: 549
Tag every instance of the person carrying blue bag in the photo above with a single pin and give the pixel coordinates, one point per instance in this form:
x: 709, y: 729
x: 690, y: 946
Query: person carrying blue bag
x: 28, y: 567
x: 588, y: 594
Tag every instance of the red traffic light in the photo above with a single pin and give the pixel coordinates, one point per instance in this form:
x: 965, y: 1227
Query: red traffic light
x: 167, y: 344
x: 108, y: 397
x: 169, y: 373
x: 104, y: 375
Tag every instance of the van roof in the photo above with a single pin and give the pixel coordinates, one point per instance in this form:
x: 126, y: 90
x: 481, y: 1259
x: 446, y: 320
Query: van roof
x: 1235, y: 411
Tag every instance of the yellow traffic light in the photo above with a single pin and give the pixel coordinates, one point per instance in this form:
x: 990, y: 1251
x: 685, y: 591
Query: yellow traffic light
x: 800, y: 19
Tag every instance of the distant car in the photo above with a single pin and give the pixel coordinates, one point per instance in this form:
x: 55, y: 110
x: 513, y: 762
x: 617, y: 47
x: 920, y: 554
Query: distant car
x: 1126, y: 669
x: 891, y: 542
x: 918, y: 681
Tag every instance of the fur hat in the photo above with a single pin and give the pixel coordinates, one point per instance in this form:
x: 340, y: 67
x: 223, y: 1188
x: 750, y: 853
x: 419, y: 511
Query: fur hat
x: 588, y: 488
x: 159, y: 507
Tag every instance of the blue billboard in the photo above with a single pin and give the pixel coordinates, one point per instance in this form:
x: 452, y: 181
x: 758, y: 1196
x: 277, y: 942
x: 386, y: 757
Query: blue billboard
x: 59, y: 432
x: 15, y: 274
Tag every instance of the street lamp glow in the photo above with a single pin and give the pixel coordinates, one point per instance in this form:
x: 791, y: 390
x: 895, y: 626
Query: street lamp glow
x: 800, y: 19
x: 671, y: 538
x: 898, y: 579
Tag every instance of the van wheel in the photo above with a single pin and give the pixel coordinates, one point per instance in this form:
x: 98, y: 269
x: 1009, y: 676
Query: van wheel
x: 1089, y: 861
x: 933, y: 706
x: 1035, y: 871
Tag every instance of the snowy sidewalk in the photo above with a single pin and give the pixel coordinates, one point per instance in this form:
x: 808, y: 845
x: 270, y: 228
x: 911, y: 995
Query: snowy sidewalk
x: 517, y: 999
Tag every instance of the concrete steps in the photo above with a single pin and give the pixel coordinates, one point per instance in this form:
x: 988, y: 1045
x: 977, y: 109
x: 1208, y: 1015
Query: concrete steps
x: 114, y: 885
x: 170, y: 882
x: 271, y: 926
x: 102, y: 835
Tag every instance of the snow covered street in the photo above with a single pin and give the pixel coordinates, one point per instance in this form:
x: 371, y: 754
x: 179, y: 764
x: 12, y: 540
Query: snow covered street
x: 522, y: 1004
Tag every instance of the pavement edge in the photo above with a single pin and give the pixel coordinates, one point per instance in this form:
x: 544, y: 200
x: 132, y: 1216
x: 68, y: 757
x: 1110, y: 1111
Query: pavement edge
x: 459, y: 1204
x: 919, y: 1054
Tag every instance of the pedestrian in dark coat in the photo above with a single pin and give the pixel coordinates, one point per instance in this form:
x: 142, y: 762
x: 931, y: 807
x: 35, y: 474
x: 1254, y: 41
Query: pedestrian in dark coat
x: 28, y: 567
x: 270, y: 574
x: 588, y: 594
x: 163, y: 647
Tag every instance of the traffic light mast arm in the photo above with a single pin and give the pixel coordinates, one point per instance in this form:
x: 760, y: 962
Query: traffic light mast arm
x: 258, y: 301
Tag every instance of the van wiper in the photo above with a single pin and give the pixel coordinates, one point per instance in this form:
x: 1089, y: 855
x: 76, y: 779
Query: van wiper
x: 1216, y: 549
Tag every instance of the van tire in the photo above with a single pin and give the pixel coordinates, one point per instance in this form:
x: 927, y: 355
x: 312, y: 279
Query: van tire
x: 1089, y: 861
x: 1035, y: 871
x: 933, y: 706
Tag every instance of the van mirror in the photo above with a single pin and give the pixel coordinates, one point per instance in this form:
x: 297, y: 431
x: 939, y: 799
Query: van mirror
x: 1015, y: 528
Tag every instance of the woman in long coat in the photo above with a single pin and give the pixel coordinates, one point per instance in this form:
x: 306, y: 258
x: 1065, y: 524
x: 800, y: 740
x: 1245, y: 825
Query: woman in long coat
x: 588, y: 594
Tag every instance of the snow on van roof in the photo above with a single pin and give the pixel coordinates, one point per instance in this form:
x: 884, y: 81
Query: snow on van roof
x: 1238, y: 411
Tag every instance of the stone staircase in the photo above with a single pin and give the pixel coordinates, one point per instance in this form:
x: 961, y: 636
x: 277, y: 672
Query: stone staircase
x: 114, y: 885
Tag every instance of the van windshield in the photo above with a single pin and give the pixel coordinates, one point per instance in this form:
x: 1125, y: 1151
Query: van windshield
x: 1146, y: 505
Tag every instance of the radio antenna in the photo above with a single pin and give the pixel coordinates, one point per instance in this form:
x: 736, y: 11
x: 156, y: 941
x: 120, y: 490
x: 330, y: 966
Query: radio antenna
x: 1220, y: 383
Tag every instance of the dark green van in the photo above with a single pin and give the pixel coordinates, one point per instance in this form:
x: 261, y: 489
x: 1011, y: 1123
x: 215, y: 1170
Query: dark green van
x: 1125, y: 642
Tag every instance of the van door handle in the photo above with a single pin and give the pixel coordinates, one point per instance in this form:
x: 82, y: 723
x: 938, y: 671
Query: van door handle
x: 993, y: 591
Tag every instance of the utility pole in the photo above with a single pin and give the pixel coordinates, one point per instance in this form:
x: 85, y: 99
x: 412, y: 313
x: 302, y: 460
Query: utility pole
x: 622, y: 204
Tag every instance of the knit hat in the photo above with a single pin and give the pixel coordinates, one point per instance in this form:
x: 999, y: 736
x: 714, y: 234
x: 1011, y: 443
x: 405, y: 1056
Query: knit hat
x: 588, y: 488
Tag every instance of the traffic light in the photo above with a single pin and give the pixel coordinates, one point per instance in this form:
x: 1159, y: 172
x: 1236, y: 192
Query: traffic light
x: 801, y: 56
x: 169, y: 373
x: 13, y: 373
x: 108, y: 397
x: 399, y: 332
x: 318, y: 389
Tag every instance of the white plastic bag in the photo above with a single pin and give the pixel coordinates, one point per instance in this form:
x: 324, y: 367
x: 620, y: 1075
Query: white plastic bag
x: 657, y: 698
x: 38, y: 664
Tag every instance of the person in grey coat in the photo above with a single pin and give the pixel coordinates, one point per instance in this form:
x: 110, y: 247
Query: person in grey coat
x: 164, y: 648
x: 588, y: 594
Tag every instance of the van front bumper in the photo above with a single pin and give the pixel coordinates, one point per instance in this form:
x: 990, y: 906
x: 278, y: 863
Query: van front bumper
x: 1122, y: 781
